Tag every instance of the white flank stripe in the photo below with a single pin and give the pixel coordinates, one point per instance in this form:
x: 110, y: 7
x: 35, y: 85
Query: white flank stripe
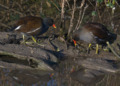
x: 17, y: 28
x: 33, y: 30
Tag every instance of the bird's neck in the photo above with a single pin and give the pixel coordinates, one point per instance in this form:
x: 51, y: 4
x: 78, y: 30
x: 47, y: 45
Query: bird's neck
x: 45, y: 23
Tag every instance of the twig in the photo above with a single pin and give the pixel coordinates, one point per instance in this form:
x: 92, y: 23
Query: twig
x: 62, y: 10
x: 1, y: 24
x: 91, y: 3
x: 71, y: 21
x: 55, y: 5
x: 117, y: 3
x: 83, y: 13
x: 11, y: 9
x: 68, y: 3
x: 112, y: 50
x: 20, y: 6
x: 62, y: 14
x: 41, y: 6
x: 80, y: 12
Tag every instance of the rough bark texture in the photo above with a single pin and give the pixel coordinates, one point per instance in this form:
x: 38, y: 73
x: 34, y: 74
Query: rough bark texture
x: 43, y: 58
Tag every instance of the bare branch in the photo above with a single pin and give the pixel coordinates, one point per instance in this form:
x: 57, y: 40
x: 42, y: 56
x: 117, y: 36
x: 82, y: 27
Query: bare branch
x: 55, y: 5
x: 11, y: 9
x: 68, y: 3
x: 71, y: 21
x: 81, y: 14
x: 2, y: 24
x: 62, y: 10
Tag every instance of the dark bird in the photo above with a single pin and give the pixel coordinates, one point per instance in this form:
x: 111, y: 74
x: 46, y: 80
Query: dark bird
x: 33, y: 26
x: 92, y: 33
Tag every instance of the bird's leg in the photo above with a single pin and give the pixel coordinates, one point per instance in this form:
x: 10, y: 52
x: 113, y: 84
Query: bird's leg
x: 23, y: 36
x: 88, y: 50
x: 97, y: 46
x: 33, y: 38
x: 25, y: 42
x: 35, y: 41
x: 106, y: 49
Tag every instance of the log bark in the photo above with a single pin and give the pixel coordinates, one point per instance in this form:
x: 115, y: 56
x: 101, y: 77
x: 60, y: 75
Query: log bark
x: 36, y: 57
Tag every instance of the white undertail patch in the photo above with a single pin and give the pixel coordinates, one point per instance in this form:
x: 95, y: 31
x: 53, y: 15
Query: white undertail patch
x: 17, y: 28
x: 86, y: 36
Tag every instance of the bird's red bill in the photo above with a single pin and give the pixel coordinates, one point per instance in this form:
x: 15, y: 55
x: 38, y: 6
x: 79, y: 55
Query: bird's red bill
x: 54, y: 25
x: 75, y: 43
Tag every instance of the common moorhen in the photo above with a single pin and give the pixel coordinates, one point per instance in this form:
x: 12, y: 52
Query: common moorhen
x: 92, y: 33
x: 33, y: 26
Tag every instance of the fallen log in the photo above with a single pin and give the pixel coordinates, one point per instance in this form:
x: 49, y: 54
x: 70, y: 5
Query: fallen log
x: 100, y: 64
x: 37, y: 56
x: 34, y: 56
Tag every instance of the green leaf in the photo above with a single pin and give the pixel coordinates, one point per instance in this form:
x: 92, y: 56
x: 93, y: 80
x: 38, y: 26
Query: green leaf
x: 99, y: 1
x: 110, y: 5
x: 94, y: 13
x: 14, y: 17
x: 113, y: 2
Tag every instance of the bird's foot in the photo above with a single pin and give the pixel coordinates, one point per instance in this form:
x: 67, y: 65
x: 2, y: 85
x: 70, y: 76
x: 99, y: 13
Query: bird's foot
x: 106, y: 49
x: 97, y: 49
x: 89, y: 47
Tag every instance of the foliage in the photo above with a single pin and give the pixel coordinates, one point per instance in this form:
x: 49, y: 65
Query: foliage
x: 102, y: 11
